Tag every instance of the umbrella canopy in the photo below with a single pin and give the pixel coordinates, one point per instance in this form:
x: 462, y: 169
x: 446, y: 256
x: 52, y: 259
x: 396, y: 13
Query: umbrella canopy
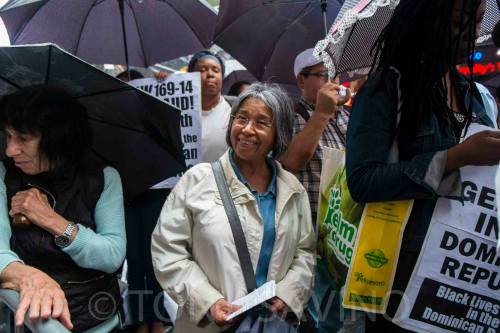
x: 266, y: 35
x: 348, y: 43
x: 492, y: 84
x: 155, y: 30
x: 236, y: 76
x: 134, y: 132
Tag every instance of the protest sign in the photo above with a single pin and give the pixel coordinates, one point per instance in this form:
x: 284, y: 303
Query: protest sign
x: 183, y: 91
x: 455, y: 284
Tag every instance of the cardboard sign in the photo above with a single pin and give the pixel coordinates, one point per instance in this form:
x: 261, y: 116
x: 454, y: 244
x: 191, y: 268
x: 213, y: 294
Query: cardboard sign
x: 183, y: 91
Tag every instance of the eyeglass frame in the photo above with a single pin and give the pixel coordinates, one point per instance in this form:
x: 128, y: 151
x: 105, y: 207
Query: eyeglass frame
x: 321, y: 74
x: 256, y: 124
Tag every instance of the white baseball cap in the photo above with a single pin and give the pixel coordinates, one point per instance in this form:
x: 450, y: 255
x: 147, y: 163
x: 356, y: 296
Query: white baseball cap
x: 305, y: 59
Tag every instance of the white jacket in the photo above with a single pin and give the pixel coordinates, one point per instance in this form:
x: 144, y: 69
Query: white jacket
x: 194, y: 255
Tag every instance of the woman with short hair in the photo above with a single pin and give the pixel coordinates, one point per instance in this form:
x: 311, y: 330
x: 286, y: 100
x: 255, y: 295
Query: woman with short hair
x: 194, y: 252
x: 215, y: 108
x: 62, y: 231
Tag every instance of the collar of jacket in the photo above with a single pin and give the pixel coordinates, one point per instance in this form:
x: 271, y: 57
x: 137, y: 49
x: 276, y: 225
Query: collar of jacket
x: 472, y: 99
x: 286, y: 183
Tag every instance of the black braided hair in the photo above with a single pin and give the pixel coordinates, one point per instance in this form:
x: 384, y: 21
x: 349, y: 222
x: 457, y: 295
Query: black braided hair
x: 418, y: 42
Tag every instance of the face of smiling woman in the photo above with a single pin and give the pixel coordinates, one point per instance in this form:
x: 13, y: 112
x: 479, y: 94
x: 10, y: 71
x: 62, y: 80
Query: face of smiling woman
x: 252, y: 141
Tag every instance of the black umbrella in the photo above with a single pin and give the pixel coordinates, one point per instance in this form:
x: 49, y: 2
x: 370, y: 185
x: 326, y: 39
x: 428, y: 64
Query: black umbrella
x: 236, y: 76
x: 153, y: 30
x: 492, y: 83
x: 134, y: 132
x: 266, y: 35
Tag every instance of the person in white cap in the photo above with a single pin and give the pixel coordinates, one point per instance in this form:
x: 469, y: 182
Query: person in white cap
x: 320, y: 121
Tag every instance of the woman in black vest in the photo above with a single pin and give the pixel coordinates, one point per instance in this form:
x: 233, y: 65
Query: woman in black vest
x: 62, y: 233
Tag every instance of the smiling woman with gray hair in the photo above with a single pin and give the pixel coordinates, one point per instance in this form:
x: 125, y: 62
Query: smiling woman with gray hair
x: 197, y: 259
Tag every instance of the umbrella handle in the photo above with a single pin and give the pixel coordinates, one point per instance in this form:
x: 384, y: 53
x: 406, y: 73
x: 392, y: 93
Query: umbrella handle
x: 323, y: 10
x: 125, y: 47
x: 20, y: 221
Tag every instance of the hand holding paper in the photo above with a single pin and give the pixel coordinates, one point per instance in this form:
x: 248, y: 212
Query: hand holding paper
x: 256, y: 297
x: 221, y: 310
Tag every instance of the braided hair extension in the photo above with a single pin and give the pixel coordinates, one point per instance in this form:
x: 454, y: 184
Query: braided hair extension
x: 419, y: 41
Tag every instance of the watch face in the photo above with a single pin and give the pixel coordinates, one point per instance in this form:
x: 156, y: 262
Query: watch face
x: 62, y: 240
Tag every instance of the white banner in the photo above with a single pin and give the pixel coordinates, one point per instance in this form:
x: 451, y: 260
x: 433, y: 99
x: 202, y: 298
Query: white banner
x: 455, y: 286
x: 183, y: 91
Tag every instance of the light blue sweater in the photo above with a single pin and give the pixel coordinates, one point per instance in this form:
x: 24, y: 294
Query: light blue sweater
x: 103, y: 249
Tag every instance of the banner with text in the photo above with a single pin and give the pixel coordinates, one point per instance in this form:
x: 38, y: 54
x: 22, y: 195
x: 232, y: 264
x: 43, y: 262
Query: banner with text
x: 455, y: 286
x: 182, y: 90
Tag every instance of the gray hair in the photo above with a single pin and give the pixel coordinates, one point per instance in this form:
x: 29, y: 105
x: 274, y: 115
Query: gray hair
x: 277, y: 100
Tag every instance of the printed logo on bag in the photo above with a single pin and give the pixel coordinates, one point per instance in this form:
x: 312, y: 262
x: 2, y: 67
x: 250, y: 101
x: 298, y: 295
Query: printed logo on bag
x: 376, y: 258
x: 342, y: 232
x: 360, y: 277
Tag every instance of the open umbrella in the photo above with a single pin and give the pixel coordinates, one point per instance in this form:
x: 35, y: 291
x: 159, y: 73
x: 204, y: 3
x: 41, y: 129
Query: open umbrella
x: 266, y: 35
x: 100, y: 31
x: 492, y: 84
x: 350, y: 39
x: 234, y: 77
x: 134, y: 132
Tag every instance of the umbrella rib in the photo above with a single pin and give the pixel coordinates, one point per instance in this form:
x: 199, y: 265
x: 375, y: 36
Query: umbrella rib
x: 85, y: 96
x: 139, y: 33
x: 303, y: 13
x: 348, y: 38
x: 236, y: 19
x: 47, y: 71
x: 12, y: 83
x: 26, y: 22
x: 116, y: 125
x: 123, y: 88
x: 96, y: 2
x: 185, y: 20
x: 101, y: 157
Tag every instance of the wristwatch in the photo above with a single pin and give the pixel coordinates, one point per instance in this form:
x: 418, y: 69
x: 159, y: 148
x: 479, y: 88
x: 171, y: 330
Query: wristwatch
x: 65, y: 238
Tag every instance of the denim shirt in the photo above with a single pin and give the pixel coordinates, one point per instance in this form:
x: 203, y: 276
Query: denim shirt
x: 419, y: 172
x: 267, y: 206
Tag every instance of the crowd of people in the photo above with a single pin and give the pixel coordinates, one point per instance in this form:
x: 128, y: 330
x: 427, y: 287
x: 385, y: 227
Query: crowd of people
x: 246, y: 215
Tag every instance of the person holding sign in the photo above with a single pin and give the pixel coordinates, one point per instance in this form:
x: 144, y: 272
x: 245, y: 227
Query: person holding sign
x: 416, y: 99
x: 195, y: 253
x: 215, y: 108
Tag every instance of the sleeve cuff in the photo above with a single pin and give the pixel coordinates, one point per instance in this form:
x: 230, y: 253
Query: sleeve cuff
x: 200, y: 301
x: 443, y: 185
x: 82, y: 238
x: 8, y: 258
x: 293, y: 296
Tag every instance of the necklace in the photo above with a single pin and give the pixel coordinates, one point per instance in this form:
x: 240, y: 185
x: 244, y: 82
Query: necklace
x: 459, y: 117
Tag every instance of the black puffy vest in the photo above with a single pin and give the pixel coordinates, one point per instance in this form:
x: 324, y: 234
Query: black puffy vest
x: 93, y: 296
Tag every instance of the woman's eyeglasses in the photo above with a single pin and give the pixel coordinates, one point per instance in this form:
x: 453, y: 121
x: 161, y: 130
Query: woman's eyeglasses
x: 259, y: 124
